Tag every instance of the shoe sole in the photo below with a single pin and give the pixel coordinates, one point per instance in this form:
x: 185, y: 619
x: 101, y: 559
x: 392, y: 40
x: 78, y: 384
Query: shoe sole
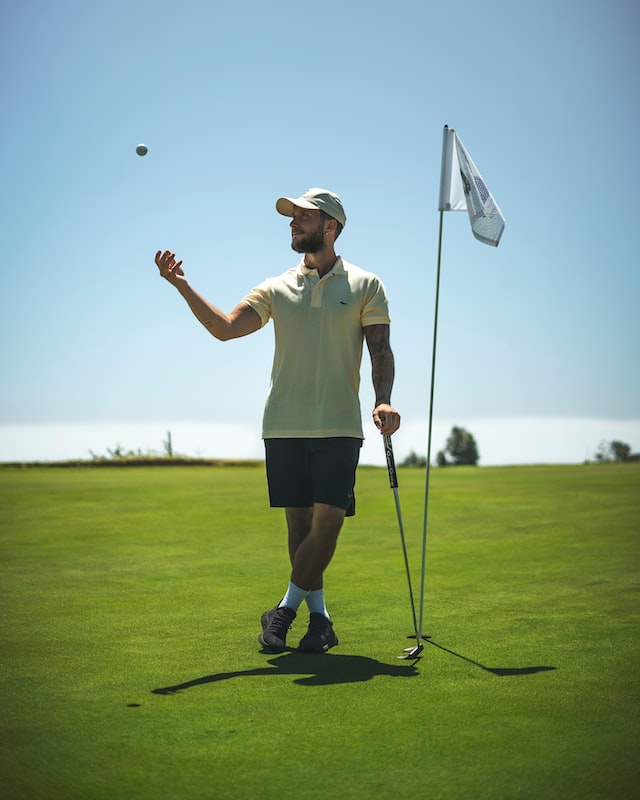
x: 317, y: 651
x: 270, y: 648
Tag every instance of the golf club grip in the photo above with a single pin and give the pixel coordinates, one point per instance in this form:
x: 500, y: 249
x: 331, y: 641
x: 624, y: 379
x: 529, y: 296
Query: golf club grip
x: 391, y: 464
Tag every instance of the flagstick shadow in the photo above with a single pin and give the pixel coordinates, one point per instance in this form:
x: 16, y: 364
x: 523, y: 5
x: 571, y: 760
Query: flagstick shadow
x: 500, y: 671
x: 318, y: 670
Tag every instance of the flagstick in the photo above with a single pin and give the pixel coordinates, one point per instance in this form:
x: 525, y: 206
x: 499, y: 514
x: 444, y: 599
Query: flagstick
x: 433, y: 379
x: 455, y: 196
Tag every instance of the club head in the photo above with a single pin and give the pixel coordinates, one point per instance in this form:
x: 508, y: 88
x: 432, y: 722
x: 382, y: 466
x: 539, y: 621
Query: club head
x: 412, y: 652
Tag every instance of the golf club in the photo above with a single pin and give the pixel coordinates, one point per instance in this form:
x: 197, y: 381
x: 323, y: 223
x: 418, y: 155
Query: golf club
x: 410, y: 652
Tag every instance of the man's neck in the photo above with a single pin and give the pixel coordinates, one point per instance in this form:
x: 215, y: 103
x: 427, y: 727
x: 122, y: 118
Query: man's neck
x: 322, y: 261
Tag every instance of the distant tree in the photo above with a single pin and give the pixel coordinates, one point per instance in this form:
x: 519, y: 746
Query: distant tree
x: 414, y: 460
x: 461, y: 448
x: 441, y: 459
x: 621, y: 450
x: 615, y: 450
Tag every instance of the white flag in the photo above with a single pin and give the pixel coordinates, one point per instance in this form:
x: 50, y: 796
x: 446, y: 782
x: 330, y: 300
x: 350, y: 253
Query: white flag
x: 462, y: 188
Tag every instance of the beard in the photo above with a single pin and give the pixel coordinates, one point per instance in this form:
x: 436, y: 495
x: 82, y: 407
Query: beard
x: 310, y: 242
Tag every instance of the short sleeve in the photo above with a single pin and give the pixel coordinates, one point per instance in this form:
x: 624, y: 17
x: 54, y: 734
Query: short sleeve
x: 260, y: 301
x: 375, y: 310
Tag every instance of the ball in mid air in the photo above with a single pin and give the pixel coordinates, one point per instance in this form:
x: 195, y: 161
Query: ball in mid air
x: 141, y: 149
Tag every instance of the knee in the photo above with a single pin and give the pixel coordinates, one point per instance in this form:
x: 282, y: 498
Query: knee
x: 327, y: 519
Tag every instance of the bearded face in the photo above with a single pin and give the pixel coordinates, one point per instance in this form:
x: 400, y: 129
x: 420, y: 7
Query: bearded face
x: 308, y: 242
x: 307, y: 231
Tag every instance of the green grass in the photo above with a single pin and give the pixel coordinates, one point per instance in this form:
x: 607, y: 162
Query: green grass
x: 118, y: 582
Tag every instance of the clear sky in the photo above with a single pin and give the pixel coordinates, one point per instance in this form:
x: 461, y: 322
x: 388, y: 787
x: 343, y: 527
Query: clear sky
x: 239, y: 103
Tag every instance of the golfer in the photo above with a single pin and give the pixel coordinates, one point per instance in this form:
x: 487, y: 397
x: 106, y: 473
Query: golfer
x: 322, y: 310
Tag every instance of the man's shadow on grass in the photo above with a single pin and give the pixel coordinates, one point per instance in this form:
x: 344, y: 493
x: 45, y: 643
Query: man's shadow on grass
x: 319, y: 670
x: 327, y: 669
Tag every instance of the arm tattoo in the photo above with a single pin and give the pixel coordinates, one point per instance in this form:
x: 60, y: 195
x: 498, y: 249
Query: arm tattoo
x: 382, y: 362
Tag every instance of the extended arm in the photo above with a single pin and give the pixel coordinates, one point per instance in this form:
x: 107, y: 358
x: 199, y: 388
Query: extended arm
x: 240, y: 322
x: 385, y: 417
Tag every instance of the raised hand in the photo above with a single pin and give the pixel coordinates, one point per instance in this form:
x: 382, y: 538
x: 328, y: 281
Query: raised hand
x: 170, y: 269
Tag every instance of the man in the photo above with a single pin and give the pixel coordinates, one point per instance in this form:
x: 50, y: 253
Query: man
x: 322, y: 309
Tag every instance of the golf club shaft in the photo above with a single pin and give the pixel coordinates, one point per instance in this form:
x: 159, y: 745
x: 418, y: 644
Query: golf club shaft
x: 393, y: 482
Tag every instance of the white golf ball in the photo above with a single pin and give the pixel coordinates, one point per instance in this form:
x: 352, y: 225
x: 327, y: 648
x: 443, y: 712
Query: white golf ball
x: 141, y: 149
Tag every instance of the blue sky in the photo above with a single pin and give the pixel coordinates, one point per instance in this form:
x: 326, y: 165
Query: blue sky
x: 538, y: 342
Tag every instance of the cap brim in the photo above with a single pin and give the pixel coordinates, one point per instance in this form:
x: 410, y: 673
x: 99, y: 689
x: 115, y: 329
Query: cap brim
x: 285, y: 205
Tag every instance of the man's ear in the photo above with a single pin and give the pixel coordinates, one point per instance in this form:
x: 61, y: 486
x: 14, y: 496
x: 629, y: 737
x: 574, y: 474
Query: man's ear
x: 330, y: 225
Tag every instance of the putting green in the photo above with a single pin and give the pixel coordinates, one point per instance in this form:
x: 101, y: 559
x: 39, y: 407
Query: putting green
x: 131, y: 601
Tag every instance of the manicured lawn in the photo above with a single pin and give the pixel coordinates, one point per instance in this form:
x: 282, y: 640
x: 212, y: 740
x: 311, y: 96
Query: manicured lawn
x: 131, y: 601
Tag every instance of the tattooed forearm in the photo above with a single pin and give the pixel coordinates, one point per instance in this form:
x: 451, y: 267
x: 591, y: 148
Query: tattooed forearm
x: 382, y: 363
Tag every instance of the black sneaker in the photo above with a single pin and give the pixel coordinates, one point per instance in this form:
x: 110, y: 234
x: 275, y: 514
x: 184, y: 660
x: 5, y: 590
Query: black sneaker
x: 319, y: 636
x: 275, y: 625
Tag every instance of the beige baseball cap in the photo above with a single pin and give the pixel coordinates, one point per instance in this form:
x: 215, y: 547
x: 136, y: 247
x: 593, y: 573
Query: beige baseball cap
x: 322, y: 199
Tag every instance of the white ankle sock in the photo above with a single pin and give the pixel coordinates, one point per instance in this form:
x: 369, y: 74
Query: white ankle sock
x: 294, y: 597
x: 315, y: 601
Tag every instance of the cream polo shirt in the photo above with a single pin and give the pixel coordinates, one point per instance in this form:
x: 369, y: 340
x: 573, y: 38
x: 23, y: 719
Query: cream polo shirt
x: 318, y: 324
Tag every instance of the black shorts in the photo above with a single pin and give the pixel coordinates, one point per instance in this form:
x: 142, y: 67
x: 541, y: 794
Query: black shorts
x: 301, y: 472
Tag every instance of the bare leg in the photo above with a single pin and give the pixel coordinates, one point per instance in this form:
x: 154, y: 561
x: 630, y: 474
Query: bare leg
x: 299, y: 527
x: 313, y: 535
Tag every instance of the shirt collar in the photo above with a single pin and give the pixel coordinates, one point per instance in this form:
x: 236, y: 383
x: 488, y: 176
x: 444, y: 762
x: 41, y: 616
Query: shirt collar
x: 336, y: 269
